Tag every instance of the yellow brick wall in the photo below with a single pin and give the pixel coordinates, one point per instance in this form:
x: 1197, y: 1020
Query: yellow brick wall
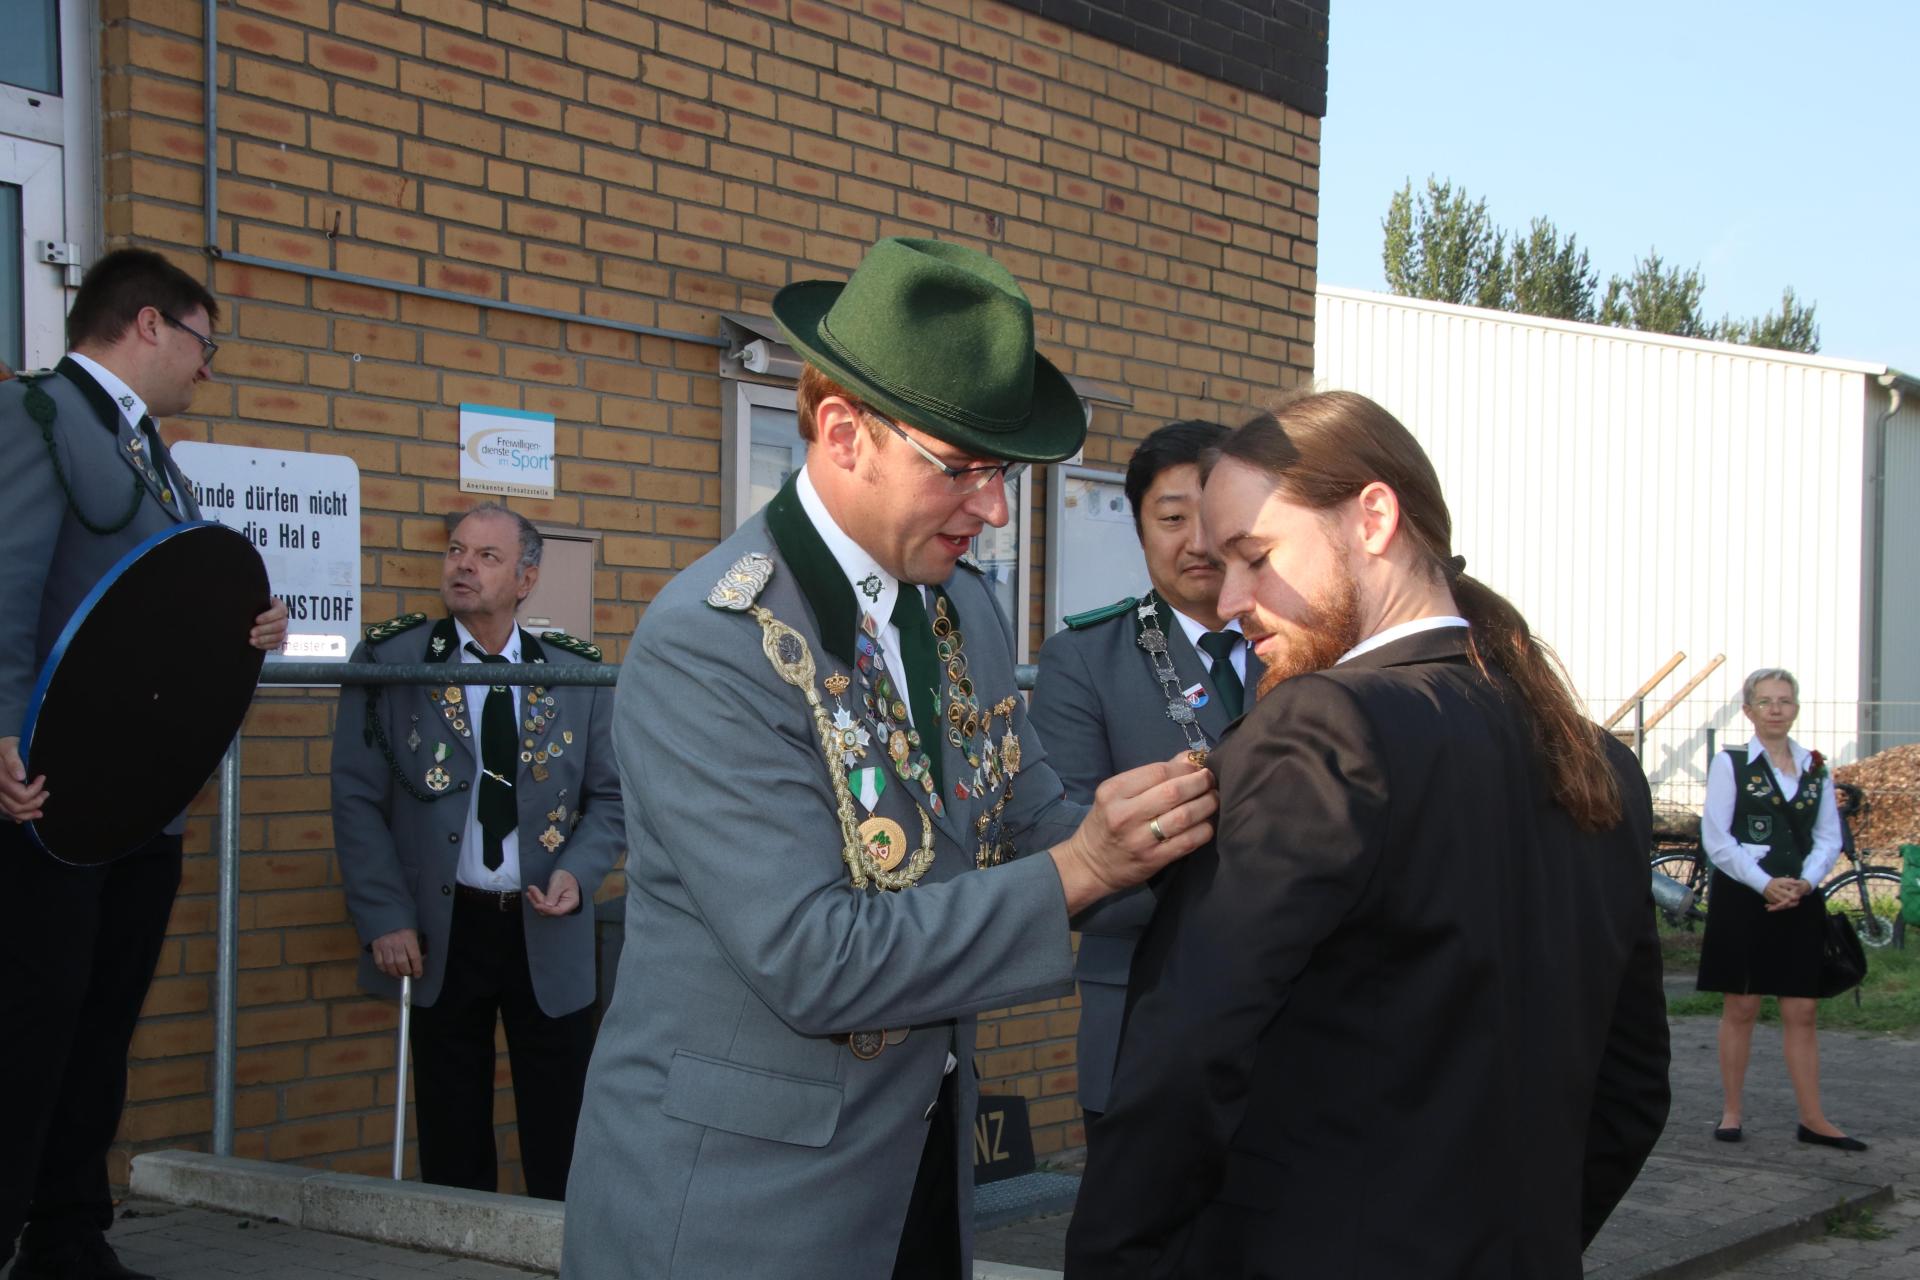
x: 656, y: 161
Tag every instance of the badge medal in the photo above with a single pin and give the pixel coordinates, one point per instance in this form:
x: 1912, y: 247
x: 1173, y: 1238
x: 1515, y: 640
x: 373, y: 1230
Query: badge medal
x: 790, y: 656
x: 1179, y: 710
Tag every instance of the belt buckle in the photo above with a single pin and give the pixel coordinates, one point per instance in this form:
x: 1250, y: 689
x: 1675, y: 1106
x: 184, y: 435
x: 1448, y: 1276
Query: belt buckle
x: 504, y: 900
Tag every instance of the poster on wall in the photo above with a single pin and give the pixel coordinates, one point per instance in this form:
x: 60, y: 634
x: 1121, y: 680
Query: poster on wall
x: 506, y: 451
x: 302, y: 510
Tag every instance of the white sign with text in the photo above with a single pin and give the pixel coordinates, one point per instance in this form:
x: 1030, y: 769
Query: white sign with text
x: 506, y: 451
x: 302, y: 511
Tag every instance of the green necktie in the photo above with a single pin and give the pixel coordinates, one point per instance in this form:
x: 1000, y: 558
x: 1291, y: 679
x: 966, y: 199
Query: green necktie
x: 1226, y: 681
x: 922, y: 675
x: 498, y: 812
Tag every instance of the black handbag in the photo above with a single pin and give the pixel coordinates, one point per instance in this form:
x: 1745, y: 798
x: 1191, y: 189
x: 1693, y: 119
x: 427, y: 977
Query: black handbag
x: 1843, y: 961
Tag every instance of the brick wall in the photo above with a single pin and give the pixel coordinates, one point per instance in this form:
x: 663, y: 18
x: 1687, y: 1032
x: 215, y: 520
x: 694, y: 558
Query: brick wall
x: 657, y: 161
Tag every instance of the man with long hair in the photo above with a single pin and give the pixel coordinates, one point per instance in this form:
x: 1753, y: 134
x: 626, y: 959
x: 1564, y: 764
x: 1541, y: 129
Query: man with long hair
x: 1417, y: 967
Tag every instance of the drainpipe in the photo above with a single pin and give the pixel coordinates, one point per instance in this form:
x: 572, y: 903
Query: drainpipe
x: 1891, y: 381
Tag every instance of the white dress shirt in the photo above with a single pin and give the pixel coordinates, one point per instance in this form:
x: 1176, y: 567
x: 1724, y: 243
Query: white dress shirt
x: 861, y: 567
x: 1237, y: 655
x: 1400, y: 632
x: 473, y: 867
x: 1742, y: 861
x: 110, y: 382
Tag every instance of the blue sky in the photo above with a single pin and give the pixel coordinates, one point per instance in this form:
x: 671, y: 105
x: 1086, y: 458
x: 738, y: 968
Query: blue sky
x: 1769, y: 143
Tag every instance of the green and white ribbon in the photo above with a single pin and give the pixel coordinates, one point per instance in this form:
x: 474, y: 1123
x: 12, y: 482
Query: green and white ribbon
x: 867, y: 785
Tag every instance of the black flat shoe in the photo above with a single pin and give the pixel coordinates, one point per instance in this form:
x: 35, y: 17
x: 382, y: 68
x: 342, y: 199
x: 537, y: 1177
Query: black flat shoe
x: 1727, y: 1135
x: 1842, y: 1143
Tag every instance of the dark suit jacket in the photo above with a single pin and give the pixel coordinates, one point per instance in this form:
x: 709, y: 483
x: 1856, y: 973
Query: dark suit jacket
x: 1409, y: 1023
x: 1100, y: 711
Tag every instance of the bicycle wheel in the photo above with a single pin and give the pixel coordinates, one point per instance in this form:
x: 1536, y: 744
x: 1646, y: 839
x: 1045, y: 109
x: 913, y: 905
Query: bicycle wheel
x: 1872, y: 898
x: 1691, y: 868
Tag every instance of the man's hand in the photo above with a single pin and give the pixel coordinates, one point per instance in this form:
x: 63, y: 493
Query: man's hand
x: 20, y: 800
x: 1117, y: 845
x: 270, y: 628
x: 562, y: 897
x: 397, y: 954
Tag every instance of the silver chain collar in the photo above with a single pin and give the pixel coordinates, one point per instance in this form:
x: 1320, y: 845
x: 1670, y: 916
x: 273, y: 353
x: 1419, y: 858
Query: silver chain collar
x: 1179, y: 710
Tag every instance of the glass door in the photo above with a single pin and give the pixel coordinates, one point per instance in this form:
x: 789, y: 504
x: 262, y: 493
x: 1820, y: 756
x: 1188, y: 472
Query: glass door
x: 33, y: 301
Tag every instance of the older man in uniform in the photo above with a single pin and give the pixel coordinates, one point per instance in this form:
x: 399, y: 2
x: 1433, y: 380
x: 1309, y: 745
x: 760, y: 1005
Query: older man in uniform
x: 829, y: 774
x: 87, y: 480
x: 1135, y: 682
x: 474, y: 822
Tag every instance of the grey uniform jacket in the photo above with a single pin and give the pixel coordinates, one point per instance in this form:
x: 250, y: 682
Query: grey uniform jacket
x: 726, y: 1131
x: 398, y: 852
x: 1100, y: 711
x: 49, y: 559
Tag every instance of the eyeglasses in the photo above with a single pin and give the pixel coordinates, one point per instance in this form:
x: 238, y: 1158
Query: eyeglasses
x: 207, y: 345
x: 965, y: 479
x: 1768, y: 704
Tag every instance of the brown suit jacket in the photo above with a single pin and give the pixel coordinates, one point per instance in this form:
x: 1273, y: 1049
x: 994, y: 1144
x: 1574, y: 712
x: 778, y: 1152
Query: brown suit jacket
x: 1407, y: 1022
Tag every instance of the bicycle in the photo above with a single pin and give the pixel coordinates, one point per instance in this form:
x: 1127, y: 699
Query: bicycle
x: 1870, y: 895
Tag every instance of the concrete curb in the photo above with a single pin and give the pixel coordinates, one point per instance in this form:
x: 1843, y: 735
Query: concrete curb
x: 1715, y: 1249
x: 512, y: 1231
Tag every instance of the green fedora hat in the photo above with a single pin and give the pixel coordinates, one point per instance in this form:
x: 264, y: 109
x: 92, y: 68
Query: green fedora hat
x: 940, y: 337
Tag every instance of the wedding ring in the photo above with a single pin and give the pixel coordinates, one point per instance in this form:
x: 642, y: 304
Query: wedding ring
x: 1153, y: 825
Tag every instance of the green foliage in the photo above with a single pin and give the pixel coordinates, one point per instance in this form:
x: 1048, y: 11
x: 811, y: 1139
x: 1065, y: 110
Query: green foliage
x: 1789, y: 329
x: 1658, y: 299
x: 1548, y: 276
x: 1442, y: 245
x: 1855, y: 1222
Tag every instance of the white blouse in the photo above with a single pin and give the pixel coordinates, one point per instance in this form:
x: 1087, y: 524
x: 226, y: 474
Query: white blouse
x: 1742, y: 861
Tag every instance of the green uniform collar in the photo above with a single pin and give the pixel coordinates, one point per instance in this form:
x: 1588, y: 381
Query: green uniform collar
x: 828, y: 594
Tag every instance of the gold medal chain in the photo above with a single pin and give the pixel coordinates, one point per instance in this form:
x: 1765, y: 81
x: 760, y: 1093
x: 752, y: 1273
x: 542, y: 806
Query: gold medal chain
x: 795, y: 666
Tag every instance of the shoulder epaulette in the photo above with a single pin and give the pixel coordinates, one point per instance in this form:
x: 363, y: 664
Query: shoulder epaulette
x: 393, y: 626
x: 32, y: 375
x: 742, y: 583
x: 1093, y: 617
x: 572, y: 644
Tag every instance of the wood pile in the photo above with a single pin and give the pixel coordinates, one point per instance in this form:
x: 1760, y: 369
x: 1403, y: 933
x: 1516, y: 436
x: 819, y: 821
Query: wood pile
x: 1891, y: 781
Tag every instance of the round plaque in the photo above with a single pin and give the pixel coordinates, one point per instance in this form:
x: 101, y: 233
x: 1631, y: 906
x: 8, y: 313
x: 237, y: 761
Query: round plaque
x: 144, y: 690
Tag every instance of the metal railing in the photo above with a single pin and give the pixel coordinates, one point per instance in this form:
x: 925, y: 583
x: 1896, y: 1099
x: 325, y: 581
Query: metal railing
x: 227, y: 971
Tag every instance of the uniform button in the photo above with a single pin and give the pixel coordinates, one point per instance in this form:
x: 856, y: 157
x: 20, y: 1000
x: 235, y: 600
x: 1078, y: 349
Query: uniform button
x: 453, y: 837
x: 446, y: 891
x: 464, y: 784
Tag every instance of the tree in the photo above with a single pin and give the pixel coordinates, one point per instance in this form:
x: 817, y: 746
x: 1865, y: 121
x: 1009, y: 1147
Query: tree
x: 1790, y: 329
x: 1658, y: 299
x: 1442, y: 246
x: 1550, y: 277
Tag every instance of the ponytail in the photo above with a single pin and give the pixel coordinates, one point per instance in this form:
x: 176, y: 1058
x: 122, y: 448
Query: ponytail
x: 1579, y: 777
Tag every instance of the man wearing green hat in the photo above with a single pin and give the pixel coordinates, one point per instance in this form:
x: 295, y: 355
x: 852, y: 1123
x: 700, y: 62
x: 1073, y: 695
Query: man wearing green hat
x: 830, y: 781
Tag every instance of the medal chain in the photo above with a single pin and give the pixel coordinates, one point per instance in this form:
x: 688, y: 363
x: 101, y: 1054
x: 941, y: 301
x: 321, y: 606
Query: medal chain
x: 1179, y: 710
x: 798, y: 670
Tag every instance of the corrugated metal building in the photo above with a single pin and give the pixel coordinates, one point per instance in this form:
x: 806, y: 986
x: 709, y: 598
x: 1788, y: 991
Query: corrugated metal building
x: 1638, y: 495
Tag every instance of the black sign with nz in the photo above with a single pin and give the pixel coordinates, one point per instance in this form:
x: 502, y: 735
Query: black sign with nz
x: 1002, y: 1140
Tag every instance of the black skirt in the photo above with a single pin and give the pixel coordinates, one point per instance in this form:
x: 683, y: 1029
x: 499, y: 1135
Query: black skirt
x: 1749, y: 950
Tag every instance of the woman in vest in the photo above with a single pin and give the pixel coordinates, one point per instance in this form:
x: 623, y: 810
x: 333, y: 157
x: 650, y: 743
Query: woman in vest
x: 1773, y: 834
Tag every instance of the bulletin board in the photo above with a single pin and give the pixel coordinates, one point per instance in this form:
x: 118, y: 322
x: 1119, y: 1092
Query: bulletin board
x: 1093, y: 550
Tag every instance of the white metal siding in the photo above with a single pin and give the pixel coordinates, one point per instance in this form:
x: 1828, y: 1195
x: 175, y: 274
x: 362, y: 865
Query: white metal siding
x: 1637, y: 496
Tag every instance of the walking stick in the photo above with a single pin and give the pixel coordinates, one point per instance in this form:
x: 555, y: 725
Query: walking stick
x: 400, y: 1093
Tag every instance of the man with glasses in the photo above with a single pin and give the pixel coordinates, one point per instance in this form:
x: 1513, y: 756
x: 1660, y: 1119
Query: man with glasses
x: 87, y: 479
x: 830, y: 779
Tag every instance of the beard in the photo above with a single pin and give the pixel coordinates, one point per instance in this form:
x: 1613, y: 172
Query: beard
x: 1321, y: 638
